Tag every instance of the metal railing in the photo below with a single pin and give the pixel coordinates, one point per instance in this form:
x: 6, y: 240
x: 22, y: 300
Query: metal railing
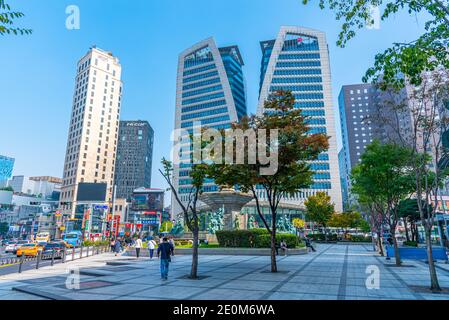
x: 66, y: 255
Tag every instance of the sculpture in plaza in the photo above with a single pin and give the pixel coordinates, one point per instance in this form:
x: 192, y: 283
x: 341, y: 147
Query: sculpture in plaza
x: 177, y: 229
x: 215, y: 221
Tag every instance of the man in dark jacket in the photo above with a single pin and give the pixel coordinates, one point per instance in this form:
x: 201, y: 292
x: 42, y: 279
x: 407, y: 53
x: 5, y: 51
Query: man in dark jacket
x: 165, y: 251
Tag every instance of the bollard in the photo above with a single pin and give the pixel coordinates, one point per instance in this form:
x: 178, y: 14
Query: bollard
x: 81, y: 251
x: 63, y: 255
x: 38, y: 260
x: 87, y: 251
x: 52, y: 257
x: 21, y: 262
x: 73, y: 253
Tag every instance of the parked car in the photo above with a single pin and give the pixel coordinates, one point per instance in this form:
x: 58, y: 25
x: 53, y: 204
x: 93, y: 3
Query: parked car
x: 11, y: 247
x: 14, y: 245
x: 29, y: 250
x: 50, y: 247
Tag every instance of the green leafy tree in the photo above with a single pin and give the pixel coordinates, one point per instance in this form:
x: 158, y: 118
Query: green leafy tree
x: 190, y: 210
x: 295, y: 148
x: 9, y: 188
x: 7, y: 19
x: 320, y: 209
x: 410, y: 59
x: 385, y: 176
x: 409, y: 212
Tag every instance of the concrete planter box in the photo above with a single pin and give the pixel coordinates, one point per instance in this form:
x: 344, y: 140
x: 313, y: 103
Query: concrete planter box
x: 224, y: 251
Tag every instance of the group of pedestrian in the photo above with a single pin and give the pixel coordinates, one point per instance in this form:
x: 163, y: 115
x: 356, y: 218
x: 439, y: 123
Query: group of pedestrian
x: 165, y: 250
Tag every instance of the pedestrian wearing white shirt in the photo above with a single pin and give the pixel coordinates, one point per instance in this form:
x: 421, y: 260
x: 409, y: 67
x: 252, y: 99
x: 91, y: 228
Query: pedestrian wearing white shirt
x: 151, y: 245
x: 138, y: 245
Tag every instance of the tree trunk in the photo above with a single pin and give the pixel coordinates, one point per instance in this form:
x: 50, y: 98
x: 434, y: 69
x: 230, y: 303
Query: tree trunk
x: 434, y: 284
x: 274, y: 267
x: 406, y: 230
x: 396, y: 251
x: 194, y: 269
x: 325, y: 233
x: 379, y: 243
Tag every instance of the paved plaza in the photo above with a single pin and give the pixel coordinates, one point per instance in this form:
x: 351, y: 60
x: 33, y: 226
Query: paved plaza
x: 334, y: 272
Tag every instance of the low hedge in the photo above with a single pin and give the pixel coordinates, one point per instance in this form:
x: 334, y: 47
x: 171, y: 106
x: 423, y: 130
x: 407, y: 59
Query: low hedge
x: 254, y: 238
x: 89, y: 243
x: 360, y: 238
x: 322, y: 237
x: 410, y: 243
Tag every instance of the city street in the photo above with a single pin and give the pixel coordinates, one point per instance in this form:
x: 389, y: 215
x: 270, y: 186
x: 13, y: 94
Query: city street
x: 334, y: 272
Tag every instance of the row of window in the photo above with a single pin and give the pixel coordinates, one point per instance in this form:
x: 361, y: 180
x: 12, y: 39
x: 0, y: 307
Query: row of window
x: 313, y: 113
x: 204, y: 106
x: 204, y: 98
x: 309, y: 96
x: 298, y: 80
x: 200, y: 77
x: 296, y: 64
x: 201, y: 84
x: 198, y: 70
x: 316, y: 121
x: 296, y: 72
x: 204, y: 113
x: 309, y: 104
x: 298, y: 56
x: 297, y: 88
x: 201, y: 91
x: 206, y: 121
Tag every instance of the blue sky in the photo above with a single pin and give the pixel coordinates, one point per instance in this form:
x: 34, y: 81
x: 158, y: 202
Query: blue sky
x: 37, y: 71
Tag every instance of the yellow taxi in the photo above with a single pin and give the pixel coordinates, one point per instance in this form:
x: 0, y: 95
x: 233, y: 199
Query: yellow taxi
x: 29, y: 250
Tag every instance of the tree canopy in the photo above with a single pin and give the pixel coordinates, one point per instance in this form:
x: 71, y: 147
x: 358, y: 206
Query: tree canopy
x: 408, y: 59
x: 7, y: 19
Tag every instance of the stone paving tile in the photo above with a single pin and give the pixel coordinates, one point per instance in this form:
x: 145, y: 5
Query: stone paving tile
x: 316, y: 276
x: 167, y: 292
x: 252, y: 285
x: 230, y: 294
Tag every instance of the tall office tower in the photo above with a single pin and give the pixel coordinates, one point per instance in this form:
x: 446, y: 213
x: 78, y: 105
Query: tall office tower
x: 6, y: 167
x: 366, y: 113
x: 298, y: 61
x: 211, y: 90
x: 134, y: 158
x: 93, y: 131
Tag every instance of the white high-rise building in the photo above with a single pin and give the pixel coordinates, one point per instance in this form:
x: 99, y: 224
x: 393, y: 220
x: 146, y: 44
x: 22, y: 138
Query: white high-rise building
x: 298, y: 61
x: 94, y: 124
x: 210, y: 90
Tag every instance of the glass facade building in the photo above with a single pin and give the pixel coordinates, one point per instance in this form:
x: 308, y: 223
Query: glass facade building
x: 210, y: 91
x: 298, y: 61
x: 134, y: 158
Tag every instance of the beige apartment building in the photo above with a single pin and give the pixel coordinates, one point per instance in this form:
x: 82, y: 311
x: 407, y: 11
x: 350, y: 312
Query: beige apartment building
x: 93, y: 131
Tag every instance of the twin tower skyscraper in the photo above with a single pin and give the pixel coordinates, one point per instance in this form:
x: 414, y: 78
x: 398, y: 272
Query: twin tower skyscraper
x: 211, y: 89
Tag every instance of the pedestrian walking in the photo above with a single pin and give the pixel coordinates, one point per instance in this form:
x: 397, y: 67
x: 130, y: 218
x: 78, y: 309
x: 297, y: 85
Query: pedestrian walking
x: 309, y: 244
x: 165, y: 251
x: 112, y: 244
x: 151, y: 245
x: 172, y: 242
x: 117, y: 247
x: 138, y: 246
x: 284, y: 247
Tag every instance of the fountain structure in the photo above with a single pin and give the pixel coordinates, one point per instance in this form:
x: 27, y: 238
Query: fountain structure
x: 228, y: 200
